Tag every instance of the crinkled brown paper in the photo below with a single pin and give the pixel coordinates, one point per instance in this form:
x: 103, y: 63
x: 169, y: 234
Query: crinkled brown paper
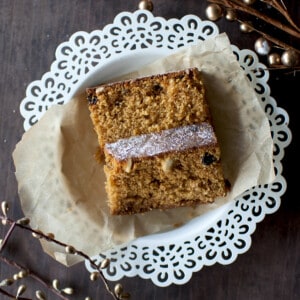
x: 61, y: 186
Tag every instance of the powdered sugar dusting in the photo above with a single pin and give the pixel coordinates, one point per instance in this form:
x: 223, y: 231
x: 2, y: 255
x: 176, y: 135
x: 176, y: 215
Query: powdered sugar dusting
x: 175, y: 139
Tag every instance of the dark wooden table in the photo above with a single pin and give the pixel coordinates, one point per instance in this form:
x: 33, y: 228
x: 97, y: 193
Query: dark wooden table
x: 30, y: 31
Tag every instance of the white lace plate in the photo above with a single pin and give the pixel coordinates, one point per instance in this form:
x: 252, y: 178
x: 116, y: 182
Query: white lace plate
x: 166, y: 258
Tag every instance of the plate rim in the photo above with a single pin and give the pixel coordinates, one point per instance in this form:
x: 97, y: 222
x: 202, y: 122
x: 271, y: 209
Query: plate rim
x: 132, y: 246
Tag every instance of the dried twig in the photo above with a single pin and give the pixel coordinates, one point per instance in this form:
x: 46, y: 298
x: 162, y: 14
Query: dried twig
x: 233, y: 4
x: 4, y: 292
x: 272, y: 39
x: 116, y: 293
x: 9, y: 232
x: 33, y: 275
x: 280, y: 7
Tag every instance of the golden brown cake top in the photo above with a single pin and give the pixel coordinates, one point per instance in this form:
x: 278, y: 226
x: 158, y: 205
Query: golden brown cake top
x: 148, y: 104
x: 93, y: 92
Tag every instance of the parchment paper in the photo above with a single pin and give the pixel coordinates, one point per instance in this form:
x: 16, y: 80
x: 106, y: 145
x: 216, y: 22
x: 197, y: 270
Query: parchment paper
x: 61, y: 186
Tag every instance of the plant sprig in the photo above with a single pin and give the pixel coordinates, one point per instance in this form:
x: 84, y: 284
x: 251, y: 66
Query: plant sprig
x: 116, y: 292
x: 288, y: 26
x: 292, y: 30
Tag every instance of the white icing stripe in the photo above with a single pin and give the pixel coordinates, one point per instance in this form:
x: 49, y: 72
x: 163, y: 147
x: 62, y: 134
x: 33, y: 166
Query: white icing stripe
x: 175, y: 139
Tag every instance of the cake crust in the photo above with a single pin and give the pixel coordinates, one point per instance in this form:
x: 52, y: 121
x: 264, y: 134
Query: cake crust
x: 147, y: 104
x: 148, y: 131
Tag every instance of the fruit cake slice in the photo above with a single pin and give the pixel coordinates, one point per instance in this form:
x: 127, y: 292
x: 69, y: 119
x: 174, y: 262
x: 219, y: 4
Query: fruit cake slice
x: 148, y: 104
x: 159, y: 142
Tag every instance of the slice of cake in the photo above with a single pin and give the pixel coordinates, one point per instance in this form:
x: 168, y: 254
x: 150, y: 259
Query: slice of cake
x: 159, y: 142
x: 172, y: 168
x: 146, y: 105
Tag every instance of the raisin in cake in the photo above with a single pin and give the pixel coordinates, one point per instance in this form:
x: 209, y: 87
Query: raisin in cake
x: 160, y: 146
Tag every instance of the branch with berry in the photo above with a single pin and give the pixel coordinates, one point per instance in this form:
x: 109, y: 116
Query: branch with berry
x: 265, y: 14
x: 116, y: 292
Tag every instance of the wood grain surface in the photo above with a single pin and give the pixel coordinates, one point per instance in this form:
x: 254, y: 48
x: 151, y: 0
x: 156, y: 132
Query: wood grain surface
x: 30, y: 31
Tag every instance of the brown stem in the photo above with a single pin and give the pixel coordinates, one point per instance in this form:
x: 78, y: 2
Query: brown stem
x: 9, y: 232
x: 232, y: 4
x: 273, y: 40
x: 53, y: 240
x: 79, y: 253
x: 99, y: 271
x: 280, y: 67
x: 282, y: 9
x: 33, y: 275
x: 4, y: 292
